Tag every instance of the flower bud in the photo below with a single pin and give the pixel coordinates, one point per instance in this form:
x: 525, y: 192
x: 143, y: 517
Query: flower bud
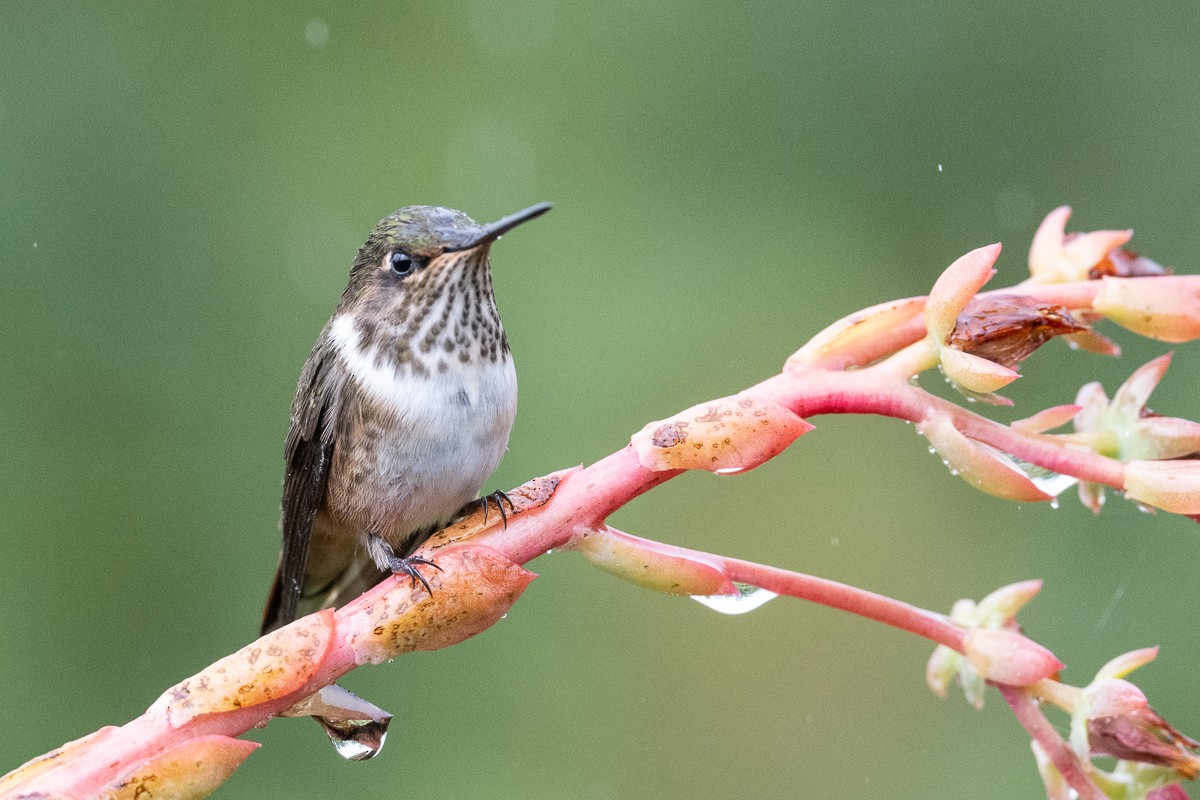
x: 1008, y: 657
x: 980, y: 466
x: 955, y: 288
x: 1047, y: 420
x: 1003, y: 604
x: 975, y: 374
x: 1170, y: 485
x: 275, y: 665
x: 1126, y: 663
x: 191, y: 769
x: 1055, y: 257
x: 476, y: 587
x: 941, y: 669
x: 1162, y: 308
x: 725, y: 436
x: 652, y: 565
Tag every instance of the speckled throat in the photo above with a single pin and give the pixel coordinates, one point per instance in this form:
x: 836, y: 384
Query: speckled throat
x: 447, y: 318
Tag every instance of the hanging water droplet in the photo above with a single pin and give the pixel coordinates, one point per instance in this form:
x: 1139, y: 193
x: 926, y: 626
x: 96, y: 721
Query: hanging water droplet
x: 932, y: 450
x: 356, y: 739
x: 354, y: 750
x: 1054, y: 503
x: 747, y: 599
x: 730, y: 470
x: 1048, y: 481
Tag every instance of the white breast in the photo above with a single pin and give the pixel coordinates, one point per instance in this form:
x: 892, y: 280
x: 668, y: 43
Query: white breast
x: 452, y: 431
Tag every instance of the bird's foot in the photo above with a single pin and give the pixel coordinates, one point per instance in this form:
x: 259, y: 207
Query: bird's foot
x: 408, y: 566
x: 499, y: 498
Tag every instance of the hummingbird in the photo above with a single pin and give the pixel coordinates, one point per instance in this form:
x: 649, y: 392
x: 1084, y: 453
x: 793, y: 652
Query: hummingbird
x: 402, y: 411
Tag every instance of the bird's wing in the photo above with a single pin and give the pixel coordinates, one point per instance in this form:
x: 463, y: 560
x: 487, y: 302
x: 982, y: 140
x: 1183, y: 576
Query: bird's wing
x: 308, y: 454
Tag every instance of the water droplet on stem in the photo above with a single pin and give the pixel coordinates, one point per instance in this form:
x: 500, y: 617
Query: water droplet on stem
x: 746, y: 600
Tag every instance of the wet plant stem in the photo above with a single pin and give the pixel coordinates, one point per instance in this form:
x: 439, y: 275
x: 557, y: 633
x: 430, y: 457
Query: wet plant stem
x: 1027, y: 712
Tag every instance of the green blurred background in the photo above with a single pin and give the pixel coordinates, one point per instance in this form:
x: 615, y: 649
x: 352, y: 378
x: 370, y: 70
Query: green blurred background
x: 183, y: 187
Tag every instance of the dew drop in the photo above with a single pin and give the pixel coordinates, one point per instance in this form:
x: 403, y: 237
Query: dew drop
x: 730, y: 470
x: 932, y: 450
x: 747, y: 599
x: 1054, y: 503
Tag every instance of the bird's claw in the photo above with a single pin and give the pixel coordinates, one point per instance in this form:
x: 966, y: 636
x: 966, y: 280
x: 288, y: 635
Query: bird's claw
x: 499, y: 498
x: 408, y: 566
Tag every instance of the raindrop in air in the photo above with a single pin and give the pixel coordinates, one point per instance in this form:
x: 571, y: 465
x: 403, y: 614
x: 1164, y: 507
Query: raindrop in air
x: 747, y: 599
x: 316, y: 32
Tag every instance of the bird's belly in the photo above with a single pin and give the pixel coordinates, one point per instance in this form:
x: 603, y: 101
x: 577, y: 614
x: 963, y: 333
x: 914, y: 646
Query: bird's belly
x: 410, y: 464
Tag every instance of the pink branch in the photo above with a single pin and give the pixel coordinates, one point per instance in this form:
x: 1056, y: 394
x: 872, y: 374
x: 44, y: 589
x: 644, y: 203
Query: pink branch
x: 928, y: 624
x: 812, y: 393
x: 480, y: 576
x: 1041, y: 731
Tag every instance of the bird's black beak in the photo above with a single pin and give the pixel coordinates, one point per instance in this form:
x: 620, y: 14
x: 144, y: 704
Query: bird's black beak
x: 489, y: 233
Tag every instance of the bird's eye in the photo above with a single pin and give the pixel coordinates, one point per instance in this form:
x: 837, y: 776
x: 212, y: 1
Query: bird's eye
x: 401, y: 263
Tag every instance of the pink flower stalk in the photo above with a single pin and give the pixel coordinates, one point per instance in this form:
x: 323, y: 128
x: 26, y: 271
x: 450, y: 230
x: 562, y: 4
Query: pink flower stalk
x: 866, y: 363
